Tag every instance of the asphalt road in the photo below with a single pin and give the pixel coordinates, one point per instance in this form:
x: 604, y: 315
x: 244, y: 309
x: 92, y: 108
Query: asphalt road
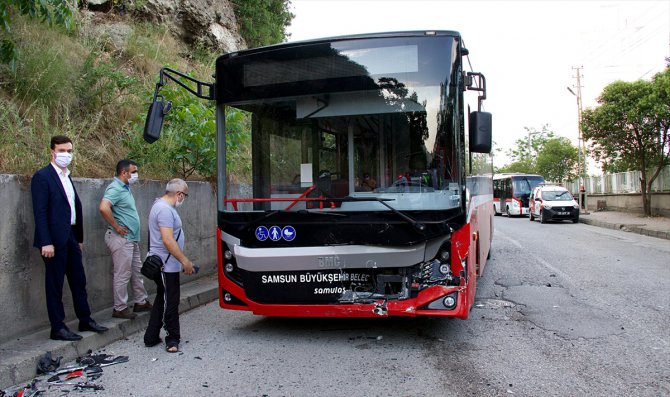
x: 562, y: 310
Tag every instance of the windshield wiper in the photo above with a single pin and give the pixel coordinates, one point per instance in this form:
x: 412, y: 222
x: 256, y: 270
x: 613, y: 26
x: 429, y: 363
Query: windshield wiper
x: 302, y: 212
x: 262, y: 218
x: 420, y: 227
x: 324, y: 103
x: 417, y: 225
x: 319, y: 212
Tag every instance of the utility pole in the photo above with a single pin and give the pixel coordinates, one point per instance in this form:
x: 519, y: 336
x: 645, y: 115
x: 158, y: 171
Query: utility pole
x: 581, y: 160
x: 529, y: 147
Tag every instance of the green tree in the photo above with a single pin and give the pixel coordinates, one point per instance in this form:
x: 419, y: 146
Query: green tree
x: 263, y: 22
x: 630, y: 125
x: 520, y: 152
x: 612, y: 166
x: 523, y: 159
x: 525, y: 166
x: 557, y: 161
x: 53, y: 12
x: 192, y: 126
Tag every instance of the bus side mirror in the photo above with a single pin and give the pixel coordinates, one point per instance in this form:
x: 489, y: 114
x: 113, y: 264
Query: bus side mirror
x: 154, y: 122
x: 480, y: 132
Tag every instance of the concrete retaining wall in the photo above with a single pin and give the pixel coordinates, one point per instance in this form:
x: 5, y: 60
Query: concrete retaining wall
x: 631, y: 202
x: 23, y: 308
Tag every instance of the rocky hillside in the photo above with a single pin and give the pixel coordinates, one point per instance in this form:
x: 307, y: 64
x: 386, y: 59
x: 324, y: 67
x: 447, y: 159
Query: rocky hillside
x: 94, y: 82
x: 209, y: 23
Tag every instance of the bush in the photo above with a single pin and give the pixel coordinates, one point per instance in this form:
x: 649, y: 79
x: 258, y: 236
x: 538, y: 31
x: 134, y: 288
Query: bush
x: 73, y: 84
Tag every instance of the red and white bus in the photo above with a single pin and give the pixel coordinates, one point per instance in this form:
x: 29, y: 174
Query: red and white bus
x: 511, y: 192
x: 369, y: 194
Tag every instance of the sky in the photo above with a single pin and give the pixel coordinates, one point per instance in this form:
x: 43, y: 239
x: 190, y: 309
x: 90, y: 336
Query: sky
x: 528, y: 50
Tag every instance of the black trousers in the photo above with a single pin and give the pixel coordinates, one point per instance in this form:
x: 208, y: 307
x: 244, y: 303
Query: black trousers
x: 66, y: 262
x: 165, y: 311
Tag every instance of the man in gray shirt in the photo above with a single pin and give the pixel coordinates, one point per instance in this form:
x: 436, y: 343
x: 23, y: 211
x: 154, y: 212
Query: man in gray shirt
x: 166, y: 239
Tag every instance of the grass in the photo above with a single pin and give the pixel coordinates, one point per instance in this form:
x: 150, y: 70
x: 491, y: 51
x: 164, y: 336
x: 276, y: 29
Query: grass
x: 77, y: 85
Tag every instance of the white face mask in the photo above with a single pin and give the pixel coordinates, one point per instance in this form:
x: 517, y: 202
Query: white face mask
x: 180, y: 202
x: 134, y: 177
x: 63, y: 159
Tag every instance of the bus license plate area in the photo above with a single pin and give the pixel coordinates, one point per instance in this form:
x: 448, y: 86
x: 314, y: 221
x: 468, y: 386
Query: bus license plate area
x: 314, y: 287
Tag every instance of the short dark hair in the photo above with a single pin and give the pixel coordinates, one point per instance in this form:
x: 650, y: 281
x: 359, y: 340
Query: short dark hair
x: 59, y: 140
x: 124, y: 165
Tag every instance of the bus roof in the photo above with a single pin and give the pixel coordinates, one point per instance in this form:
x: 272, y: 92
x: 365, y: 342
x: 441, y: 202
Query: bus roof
x: 506, y: 175
x: 412, y: 33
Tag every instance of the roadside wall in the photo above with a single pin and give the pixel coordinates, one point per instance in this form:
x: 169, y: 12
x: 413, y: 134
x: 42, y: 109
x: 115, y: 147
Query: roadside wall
x: 630, y: 202
x: 23, y: 308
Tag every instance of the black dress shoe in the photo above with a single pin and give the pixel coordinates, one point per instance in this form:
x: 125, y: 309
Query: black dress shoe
x: 92, y: 326
x: 64, y: 334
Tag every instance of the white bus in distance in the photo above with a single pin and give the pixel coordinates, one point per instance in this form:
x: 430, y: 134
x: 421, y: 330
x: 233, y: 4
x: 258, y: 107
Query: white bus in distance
x: 511, y: 192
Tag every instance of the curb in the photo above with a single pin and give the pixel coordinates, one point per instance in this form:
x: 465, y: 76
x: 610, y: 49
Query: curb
x: 20, y: 356
x: 626, y: 228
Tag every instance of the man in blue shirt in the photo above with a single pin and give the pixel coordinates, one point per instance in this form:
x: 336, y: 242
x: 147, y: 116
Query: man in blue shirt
x: 117, y: 207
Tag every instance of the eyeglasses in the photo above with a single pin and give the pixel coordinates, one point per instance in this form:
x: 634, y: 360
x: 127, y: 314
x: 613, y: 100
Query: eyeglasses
x: 184, y: 193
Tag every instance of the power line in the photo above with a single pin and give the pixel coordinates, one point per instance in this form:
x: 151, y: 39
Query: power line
x: 644, y: 19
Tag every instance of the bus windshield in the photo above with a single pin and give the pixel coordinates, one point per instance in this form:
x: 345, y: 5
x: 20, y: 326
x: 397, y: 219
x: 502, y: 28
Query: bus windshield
x: 524, y: 185
x: 349, y: 126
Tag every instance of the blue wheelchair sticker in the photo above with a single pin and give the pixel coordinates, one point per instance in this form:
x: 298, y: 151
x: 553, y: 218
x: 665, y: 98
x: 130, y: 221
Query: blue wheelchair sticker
x: 275, y: 233
x: 288, y: 233
x: 262, y: 233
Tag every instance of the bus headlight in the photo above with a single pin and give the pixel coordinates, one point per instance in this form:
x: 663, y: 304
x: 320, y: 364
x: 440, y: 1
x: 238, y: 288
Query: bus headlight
x: 229, y: 267
x: 227, y: 254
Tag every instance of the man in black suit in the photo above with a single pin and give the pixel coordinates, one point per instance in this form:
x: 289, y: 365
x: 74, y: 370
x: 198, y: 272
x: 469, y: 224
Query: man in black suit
x: 59, y: 235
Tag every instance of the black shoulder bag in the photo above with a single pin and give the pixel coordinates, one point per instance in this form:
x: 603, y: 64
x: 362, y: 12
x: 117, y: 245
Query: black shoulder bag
x: 153, y: 265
